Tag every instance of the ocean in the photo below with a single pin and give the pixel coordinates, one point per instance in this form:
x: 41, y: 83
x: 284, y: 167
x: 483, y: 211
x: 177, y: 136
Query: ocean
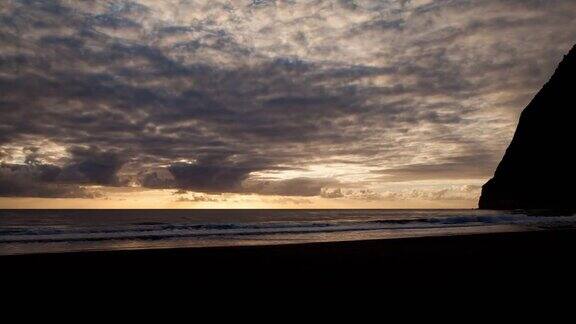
x: 52, y: 231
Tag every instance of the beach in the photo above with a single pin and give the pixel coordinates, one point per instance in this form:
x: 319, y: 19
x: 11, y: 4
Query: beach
x: 525, y: 258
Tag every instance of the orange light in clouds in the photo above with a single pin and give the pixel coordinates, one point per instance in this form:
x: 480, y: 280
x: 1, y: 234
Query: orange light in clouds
x: 164, y: 199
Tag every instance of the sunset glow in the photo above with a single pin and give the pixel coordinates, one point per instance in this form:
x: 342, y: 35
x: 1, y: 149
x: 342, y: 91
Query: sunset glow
x: 266, y: 104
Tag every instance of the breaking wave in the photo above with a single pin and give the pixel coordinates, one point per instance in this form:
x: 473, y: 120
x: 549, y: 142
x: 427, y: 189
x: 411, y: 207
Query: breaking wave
x: 160, y: 230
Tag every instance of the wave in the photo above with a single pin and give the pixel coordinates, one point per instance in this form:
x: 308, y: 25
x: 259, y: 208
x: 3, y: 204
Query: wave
x: 158, y: 230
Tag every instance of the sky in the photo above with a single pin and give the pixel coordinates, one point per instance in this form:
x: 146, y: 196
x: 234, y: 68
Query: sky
x: 266, y: 104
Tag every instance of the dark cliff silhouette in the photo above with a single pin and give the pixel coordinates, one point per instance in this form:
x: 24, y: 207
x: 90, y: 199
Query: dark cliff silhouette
x: 538, y: 168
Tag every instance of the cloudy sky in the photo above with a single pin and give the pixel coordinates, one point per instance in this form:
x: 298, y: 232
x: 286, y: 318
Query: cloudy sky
x: 209, y: 103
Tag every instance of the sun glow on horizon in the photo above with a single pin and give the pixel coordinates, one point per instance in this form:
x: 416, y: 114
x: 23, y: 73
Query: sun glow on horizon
x: 266, y: 104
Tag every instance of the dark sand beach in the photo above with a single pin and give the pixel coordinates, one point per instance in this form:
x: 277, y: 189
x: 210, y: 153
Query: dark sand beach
x: 528, y: 258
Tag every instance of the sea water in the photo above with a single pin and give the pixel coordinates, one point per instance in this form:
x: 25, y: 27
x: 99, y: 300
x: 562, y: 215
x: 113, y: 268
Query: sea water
x: 48, y: 231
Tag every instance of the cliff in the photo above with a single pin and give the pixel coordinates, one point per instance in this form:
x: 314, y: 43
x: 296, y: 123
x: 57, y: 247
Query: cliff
x: 538, y: 168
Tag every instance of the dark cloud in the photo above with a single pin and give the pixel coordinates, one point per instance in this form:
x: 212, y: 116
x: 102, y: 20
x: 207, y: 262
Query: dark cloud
x: 92, y: 166
x: 211, y: 99
x: 38, y: 181
x: 215, y: 176
x: 209, y: 178
x: 87, y: 166
x: 157, y: 180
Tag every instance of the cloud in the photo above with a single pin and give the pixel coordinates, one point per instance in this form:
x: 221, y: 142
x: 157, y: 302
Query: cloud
x: 217, y: 177
x: 306, y: 187
x: 464, y: 192
x: 213, y: 96
x: 331, y: 193
x: 160, y: 179
x: 85, y: 166
x: 209, y: 178
x: 456, y: 168
x: 92, y: 166
x: 197, y: 198
x: 291, y: 201
x: 38, y: 181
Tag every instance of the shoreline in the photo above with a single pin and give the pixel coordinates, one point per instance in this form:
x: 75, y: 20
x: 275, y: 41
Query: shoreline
x: 249, y: 240
x: 529, y: 255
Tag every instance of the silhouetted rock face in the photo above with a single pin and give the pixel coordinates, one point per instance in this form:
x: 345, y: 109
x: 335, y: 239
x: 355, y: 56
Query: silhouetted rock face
x: 538, y: 169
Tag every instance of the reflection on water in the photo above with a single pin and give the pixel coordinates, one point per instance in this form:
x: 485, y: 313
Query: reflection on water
x: 60, y: 231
